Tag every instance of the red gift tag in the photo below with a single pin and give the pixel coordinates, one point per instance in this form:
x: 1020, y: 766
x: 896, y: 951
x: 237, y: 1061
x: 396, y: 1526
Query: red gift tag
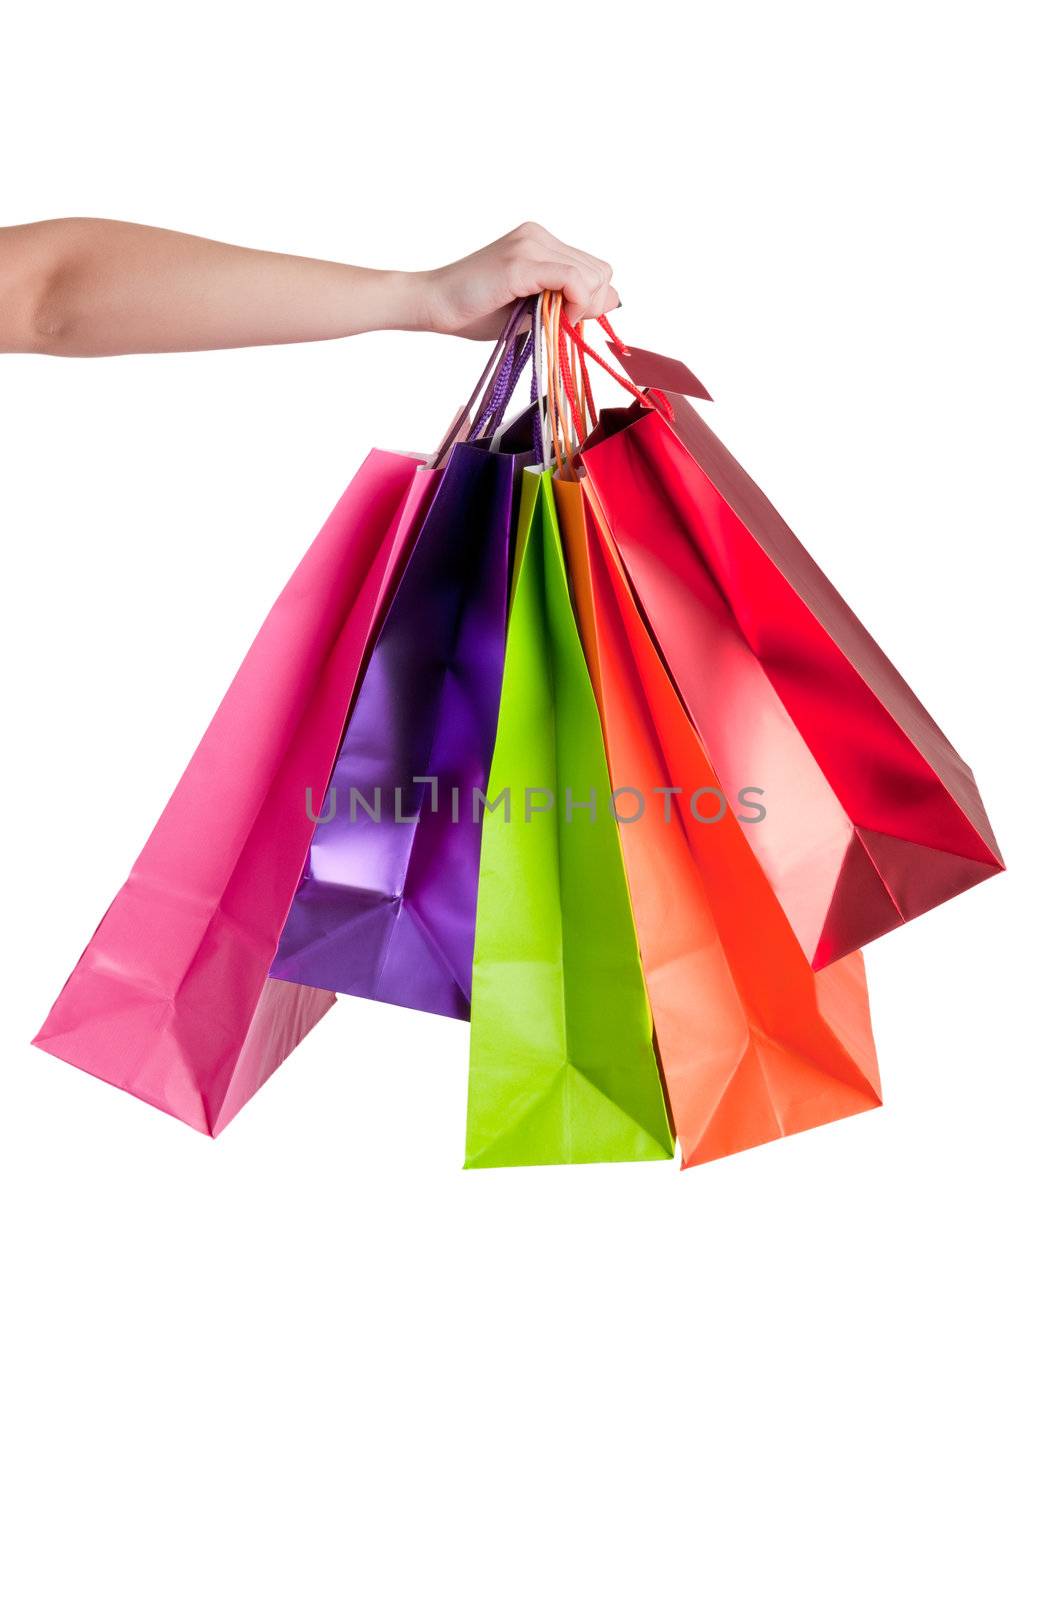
x: 651, y: 371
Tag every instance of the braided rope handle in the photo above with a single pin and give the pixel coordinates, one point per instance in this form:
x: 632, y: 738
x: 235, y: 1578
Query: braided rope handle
x: 501, y: 357
x: 561, y: 391
x: 571, y: 410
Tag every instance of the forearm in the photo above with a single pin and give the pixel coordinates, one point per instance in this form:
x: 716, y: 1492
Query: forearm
x: 92, y: 288
x: 84, y: 287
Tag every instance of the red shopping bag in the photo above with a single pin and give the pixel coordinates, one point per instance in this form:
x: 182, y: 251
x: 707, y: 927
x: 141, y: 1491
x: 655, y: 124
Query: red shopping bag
x: 871, y: 816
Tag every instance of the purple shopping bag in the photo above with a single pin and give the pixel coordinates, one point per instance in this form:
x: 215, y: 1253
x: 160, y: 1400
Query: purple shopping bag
x: 387, y: 902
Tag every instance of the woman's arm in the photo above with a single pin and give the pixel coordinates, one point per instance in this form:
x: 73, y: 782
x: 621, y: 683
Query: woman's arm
x: 85, y: 287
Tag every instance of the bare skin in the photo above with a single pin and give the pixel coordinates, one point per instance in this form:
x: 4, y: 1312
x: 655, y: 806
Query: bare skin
x: 80, y: 286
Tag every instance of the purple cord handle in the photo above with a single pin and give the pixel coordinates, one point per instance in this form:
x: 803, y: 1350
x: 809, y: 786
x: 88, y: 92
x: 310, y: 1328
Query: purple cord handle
x: 497, y: 359
x: 509, y: 374
x: 497, y: 394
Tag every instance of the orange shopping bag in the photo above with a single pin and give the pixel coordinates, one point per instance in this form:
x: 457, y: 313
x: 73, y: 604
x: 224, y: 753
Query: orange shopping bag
x: 753, y: 1044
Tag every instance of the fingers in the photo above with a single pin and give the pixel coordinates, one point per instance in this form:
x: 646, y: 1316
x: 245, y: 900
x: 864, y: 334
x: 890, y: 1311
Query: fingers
x: 545, y: 262
x: 612, y: 301
x: 598, y: 305
x: 472, y: 296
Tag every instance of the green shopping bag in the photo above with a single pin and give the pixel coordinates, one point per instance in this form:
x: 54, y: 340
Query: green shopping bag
x: 562, y: 1065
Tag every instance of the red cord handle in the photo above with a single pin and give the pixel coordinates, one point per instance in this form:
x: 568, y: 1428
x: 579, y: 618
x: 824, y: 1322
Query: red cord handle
x: 653, y: 400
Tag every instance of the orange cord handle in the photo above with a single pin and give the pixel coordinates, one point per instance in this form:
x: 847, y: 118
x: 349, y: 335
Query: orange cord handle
x: 566, y: 351
x: 561, y: 390
x: 551, y: 303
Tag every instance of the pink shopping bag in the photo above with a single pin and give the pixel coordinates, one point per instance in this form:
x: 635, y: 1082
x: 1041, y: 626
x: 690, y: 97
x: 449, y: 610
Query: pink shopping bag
x: 172, y: 1000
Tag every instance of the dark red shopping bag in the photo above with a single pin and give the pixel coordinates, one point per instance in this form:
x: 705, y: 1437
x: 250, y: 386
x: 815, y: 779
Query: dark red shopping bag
x: 871, y: 815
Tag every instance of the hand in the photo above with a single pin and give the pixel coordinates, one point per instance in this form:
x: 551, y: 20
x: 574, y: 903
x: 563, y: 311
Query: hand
x: 471, y: 297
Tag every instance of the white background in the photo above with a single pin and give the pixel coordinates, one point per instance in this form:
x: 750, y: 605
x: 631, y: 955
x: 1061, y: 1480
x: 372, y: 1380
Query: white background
x: 316, y: 1358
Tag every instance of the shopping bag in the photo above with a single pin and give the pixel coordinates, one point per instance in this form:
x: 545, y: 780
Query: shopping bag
x: 562, y: 1064
x: 387, y: 903
x: 872, y: 817
x: 753, y: 1044
x: 171, y: 1000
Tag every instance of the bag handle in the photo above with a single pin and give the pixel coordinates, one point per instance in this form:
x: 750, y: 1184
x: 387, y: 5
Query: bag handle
x: 570, y: 398
x: 493, y: 408
x: 505, y: 386
x: 495, y: 361
x: 565, y: 400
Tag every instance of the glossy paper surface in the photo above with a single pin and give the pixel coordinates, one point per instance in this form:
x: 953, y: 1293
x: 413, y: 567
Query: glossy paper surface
x: 753, y: 1044
x: 172, y: 1000
x: 872, y: 816
x: 562, y: 1063
x: 387, y: 905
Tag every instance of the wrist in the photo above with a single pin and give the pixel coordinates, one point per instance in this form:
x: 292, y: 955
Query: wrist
x: 407, y: 302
